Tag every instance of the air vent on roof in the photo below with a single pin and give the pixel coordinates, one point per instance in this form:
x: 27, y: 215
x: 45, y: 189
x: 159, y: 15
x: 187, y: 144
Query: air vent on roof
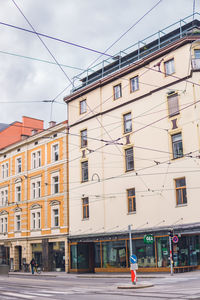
x: 55, y: 135
x: 18, y: 150
x: 36, y: 143
x: 4, y: 156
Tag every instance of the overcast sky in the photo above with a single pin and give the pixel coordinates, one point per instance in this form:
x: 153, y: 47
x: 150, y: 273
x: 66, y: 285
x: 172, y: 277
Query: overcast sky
x: 91, y: 23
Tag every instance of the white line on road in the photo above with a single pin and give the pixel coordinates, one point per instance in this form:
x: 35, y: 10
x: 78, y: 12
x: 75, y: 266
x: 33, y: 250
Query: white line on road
x: 17, y: 295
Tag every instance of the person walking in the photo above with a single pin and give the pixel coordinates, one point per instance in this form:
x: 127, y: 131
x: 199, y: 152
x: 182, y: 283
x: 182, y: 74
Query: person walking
x: 32, y: 263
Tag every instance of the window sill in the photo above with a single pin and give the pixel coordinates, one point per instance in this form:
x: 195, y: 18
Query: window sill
x: 85, y: 219
x: 55, y: 227
x: 181, y: 205
x: 36, y: 229
x: 84, y: 181
x: 127, y: 171
x: 131, y: 213
x: 174, y: 115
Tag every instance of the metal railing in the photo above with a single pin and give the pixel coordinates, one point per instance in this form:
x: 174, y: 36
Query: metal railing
x: 139, y: 50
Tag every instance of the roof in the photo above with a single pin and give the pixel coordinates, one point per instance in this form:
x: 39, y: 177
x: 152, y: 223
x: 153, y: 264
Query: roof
x: 3, y: 126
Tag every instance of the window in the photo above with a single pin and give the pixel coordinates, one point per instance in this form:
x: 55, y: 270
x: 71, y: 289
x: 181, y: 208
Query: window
x: 83, y: 106
x: 131, y: 200
x: 197, y: 53
x: 129, y: 159
x: 117, y: 91
x: 84, y: 169
x: 4, y: 224
x: 18, y: 193
x: 18, y: 222
x: 181, y: 195
x: 36, y: 189
x: 55, y: 184
x: 127, y: 123
x: 4, y: 170
x: 134, y: 84
x: 173, y: 106
x: 36, y: 223
x: 4, y: 196
x: 85, y: 204
x: 169, y: 67
x: 177, y: 146
x: 84, y: 138
x: 19, y: 165
x: 55, y: 217
x: 55, y: 152
x: 36, y: 159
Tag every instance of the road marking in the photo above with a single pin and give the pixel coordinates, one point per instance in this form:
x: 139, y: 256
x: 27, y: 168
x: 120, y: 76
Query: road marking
x: 17, y: 295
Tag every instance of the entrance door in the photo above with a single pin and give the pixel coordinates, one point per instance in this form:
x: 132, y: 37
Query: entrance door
x: 85, y: 257
x: 18, y: 258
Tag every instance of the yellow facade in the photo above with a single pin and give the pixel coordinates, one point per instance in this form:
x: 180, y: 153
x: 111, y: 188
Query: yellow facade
x: 33, y: 199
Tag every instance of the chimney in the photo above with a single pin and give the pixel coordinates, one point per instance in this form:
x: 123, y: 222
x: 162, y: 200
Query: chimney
x: 52, y: 123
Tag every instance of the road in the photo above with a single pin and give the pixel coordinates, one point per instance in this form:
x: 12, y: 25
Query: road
x: 71, y: 287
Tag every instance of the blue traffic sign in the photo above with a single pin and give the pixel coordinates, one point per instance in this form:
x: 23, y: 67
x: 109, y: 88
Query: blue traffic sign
x: 133, y: 259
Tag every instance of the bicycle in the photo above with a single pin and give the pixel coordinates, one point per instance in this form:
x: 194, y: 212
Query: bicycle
x: 37, y: 269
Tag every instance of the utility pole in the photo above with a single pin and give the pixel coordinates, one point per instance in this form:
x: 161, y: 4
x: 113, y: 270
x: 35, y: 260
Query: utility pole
x: 130, y: 240
x: 170, y: 252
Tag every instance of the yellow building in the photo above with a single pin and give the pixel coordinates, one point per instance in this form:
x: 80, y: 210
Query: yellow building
x: 33, y: 200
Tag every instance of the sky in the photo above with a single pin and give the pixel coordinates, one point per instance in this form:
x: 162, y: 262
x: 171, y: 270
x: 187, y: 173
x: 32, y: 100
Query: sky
x: 26, y: 83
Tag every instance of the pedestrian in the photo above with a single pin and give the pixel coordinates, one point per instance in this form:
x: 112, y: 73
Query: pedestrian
x: 32, y: 263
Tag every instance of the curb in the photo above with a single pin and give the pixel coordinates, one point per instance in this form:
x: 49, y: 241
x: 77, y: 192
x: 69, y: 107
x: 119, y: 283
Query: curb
x: 31, y: 275
x: 137, y: 286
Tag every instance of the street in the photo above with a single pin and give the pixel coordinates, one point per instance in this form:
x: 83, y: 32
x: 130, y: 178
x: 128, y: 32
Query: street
x: 71, y: 286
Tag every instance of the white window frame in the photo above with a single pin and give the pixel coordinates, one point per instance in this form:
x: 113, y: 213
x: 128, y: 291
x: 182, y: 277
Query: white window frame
x: 169, y: 67
x: 18, y: 221
x: 117, y: 90
x: 53, y: 183
x: 36, y: 219
x: 36, y: 159
x: 4, y: 170
x: 4, y: 222
x: 55, y: 205
x: 134, y: 82
x: 18, y: 191
x: 36, y: 188
x: 4, y: 196
x: 83, y: 106
x: 55, y: 152
x: 18, y: 165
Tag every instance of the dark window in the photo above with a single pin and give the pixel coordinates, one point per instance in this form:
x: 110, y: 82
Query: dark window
x: 134, y: 83
x: 131, y: 200
x: 84, y: 169
x: 129, y: 159
x: 127, y: 123
x: 85, y: 202
x: 197, y: 53
x: 177, y: 146
x: 173, y: 106
x: 84, y: 138
x: 181, y: 195
x: 117, y: 91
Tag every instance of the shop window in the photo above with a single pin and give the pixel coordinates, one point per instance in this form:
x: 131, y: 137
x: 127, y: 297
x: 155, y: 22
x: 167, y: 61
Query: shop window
x: 85, y: 206
x: 131, y: 200
x: 18, y: 165
x: 83, y: 106
x: 177, y: 145
x: 145, y: 253
x: 84, y: 171
x: 129, y: 159
x: 181, y: 195
x: 169, y: 67
x: 114, y: 254
x: 55, y: 152
x: 127, y: 123
x: 163, y: 251
x: 173, y: 105
x: 117, y: 91
x: 84, y: 138
x: 134, y: 83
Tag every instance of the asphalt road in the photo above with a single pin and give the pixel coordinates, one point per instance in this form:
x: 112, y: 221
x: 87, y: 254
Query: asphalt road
x: 68, y: 286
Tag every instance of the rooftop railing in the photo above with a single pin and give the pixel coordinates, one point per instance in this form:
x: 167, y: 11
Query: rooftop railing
x: 139, y: 50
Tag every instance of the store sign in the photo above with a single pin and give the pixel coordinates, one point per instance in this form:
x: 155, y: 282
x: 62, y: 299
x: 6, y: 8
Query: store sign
x: 148, y: 239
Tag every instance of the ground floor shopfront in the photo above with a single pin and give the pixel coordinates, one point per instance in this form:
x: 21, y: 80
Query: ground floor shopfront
x: 110, y: 253
x: 49, y: 253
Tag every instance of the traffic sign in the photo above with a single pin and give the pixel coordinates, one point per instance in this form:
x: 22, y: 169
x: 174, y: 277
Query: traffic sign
x: 175, y: 239
x: 148, y: 239
x: 134, y: 267
x: 133, y: 259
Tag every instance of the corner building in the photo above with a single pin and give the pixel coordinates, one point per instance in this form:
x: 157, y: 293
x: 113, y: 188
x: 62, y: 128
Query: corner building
x: 134, y: 142
x: 33, y: 199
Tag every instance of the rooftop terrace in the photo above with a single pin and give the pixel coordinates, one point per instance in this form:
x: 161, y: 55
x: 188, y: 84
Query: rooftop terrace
x: 185, y: 27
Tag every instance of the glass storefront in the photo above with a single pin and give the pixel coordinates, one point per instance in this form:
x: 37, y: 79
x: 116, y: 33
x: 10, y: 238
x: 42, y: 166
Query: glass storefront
x: 4, y: 255
x: 37, y: 253
x: 115, y: 253
x: 58, y: 256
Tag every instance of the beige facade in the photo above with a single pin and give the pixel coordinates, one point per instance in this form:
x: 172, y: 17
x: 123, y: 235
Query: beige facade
x: 33, y: 200
x: 141, y: 152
